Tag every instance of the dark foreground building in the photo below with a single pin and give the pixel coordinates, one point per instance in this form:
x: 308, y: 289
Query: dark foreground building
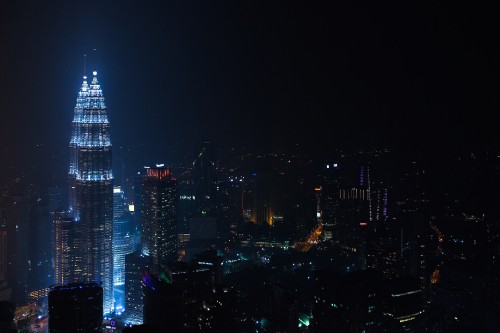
x: 76, y: 307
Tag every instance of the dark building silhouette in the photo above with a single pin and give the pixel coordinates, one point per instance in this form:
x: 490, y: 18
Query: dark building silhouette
x: 187, y: 204
x: 163, y: 305
x: 204, y: 180
x: 383, y: 248
x: 189, y: 297
x: 135, y: 265
x: 280, y: 309
x: 16, y: 214
x: 203, y: 222
x: 25, y: 244
x: 141, y: 328
x: 7, y: 312
x: 406, y: 304
x: 230, y: 196
x: 202, y: 235
x: 41, y: 247
x: 76, y: 308
x: 351, y: 302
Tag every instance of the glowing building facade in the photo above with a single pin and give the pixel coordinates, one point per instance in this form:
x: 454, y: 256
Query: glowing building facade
x: 122, y: 243
x: 159, y: 215
x: 64, y: 246
x: 90, y: 181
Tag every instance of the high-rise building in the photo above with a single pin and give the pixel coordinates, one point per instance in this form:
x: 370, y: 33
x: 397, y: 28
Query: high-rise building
x: 64, y: 256
x: 135, y: 265
x: 163, y: 304
x: 40, y: 252
x: 351, y: 302
x: 261, y: 209
x: 204, y: 180
x: 204, y: 216
x: 76, y: 307
x: 352, y: 221
x: 406, y: 304
x: 330, y: 185
x: 159, y: 215
x: 91, y: 187
x: 122, y: 242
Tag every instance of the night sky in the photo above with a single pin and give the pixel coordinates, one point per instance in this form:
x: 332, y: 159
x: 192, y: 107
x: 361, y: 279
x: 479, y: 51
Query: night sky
x: 258, y: 74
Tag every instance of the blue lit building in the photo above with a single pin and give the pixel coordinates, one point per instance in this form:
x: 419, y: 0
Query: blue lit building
x: 122, y: 243
x: 90, y: 181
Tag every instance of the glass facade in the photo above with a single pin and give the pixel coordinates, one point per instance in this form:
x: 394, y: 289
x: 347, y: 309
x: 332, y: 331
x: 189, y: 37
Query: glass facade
x: 159, y: 215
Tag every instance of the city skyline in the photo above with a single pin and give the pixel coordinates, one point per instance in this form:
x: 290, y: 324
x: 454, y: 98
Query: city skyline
x: 254, y: 167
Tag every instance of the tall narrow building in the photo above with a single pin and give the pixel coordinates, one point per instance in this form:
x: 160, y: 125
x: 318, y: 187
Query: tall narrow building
x: 159, y: 215
x: 64, y: 254
x: 122, y: 243
x: 90, y: 181
x: 204, y: 180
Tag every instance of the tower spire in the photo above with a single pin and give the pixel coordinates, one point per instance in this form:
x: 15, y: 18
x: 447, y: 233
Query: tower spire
x: 95, y: 68
x: 84, y: 63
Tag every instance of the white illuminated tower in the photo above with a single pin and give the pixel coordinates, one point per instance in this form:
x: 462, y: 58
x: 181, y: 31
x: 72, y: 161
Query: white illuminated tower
x: 90, y: 181
x: 81, y: 101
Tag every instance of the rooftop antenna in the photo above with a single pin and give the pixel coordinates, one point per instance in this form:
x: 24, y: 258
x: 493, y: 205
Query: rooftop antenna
x: 95, y: 68
x: 84, y: 62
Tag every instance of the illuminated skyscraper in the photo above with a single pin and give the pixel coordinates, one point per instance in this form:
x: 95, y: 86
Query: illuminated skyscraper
x: 64, y: 256
x: 90, y: 181
x: 122, y: 242
x: 159, y: 215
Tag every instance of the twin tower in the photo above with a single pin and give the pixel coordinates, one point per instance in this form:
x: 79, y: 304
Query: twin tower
x: 90, y: 181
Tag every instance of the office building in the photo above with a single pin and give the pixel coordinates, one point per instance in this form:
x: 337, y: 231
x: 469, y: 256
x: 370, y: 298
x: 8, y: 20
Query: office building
x: 76, y: 307
x: 159, y: 215
x: 351, y: 302
x: 122, y: 243
x: 204, y: 180
x: 261, y: 200
x: 135, y: 265
x: 64, y: 254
